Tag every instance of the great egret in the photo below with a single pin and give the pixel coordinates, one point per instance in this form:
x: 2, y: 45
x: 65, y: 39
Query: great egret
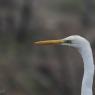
x: 84, y: 49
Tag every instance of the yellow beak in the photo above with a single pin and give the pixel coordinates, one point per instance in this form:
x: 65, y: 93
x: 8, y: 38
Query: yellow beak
x: 49, y: 42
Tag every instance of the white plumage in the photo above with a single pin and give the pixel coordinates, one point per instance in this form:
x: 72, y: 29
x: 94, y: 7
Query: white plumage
x: 85, y: 50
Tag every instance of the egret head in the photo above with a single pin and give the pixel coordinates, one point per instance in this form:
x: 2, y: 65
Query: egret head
x: 74, y: 41
x: 84, y: 48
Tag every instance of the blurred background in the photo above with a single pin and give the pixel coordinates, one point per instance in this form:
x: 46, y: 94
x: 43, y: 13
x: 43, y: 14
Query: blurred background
x: 34, y: 70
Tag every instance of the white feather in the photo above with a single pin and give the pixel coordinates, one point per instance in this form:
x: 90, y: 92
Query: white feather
x: 84, y: 49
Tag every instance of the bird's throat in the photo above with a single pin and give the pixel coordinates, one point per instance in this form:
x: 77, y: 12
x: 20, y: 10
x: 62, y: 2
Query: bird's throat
x: 87, y: 81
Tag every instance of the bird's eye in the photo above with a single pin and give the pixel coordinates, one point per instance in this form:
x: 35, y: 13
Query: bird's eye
x: 68, y: 41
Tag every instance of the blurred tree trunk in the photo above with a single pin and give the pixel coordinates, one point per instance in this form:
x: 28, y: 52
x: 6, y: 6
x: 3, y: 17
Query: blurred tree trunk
x: 88, y: 13
x: 87, y: 18
x: 23, y: 30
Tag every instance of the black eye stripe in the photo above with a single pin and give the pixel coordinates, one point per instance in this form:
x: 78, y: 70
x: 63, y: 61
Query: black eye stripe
x: 68, y: 41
